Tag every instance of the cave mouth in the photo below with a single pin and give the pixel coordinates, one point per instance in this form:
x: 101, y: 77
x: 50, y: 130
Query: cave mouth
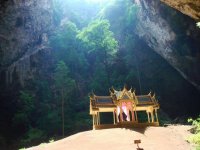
x: 53, y: 54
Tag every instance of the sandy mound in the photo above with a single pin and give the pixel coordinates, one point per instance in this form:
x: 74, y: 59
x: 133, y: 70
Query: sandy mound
x: 153, y: 138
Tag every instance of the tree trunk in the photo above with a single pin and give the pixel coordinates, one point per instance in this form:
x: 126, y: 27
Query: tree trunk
x: 63, y: 114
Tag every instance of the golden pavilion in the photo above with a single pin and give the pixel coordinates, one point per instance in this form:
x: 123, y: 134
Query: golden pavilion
x: 125, y: 106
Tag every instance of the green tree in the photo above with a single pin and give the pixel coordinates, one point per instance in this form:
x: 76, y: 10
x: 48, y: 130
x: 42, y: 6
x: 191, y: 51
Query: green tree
x: 67, y: 48
x: 195, y: 138
x: 64, y: 85
x: 122, y: 15
x: 63, y: 41
x: 198, y: 24
x: 100, y: 44
x: 22, y: 118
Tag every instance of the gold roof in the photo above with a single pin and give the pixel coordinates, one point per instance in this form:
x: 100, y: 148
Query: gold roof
x: 122, y: 95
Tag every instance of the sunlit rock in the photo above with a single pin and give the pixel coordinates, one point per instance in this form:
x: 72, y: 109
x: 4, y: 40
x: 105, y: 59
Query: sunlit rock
x: 188, y: 7
x: 155, y: 29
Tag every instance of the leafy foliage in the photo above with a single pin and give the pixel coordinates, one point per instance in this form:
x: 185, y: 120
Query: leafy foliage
x: 93, y: 48
x: 126, y: 13
x: 98, y: 37
x: 64, y: 85
x: 198, y: 24
x: 64, y: 39
x: 101, y: 46
x: 32, y: 135
x: 62, y: 79
x: 196, y: 137
x: 22, y: 117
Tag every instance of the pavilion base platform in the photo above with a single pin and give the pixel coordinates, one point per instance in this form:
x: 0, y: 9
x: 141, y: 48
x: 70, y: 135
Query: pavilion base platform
x: 126, y: 125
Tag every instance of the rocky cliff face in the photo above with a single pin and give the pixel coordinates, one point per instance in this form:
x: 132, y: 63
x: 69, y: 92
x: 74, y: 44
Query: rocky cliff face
x: 188, y: 7
x: 24, y: 29
x: 25, y: 26
x: 155, y: 26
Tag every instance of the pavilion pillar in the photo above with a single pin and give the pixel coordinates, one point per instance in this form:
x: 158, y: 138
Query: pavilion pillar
x: 128, y: 115
x: 136, y: 119
x: 121, y: 117
x: 152, y: 117
x: 156, y: 115
x: 148, y: 117
x: 99, y: 118
x: 133, y: 115
x: 93, y: 121
x: 96, y: 119
x: 117, y: 115
x: 114, y: 117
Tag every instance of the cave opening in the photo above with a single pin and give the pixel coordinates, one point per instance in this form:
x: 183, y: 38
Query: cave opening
x: 53, y: 53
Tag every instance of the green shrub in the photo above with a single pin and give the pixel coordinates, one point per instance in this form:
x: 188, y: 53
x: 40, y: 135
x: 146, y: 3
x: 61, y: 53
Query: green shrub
x: 198, y: 24
x: 195, y: 138
x: 32, y: 136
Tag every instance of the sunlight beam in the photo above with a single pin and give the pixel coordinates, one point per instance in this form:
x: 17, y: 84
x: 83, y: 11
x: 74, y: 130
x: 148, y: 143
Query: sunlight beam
x: 94, y: 1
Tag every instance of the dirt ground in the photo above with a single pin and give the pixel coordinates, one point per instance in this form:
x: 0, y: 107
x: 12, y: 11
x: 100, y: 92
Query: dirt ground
x: 172, y: 137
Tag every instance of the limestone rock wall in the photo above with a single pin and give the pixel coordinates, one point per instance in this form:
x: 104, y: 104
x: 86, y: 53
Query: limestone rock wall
x: 188, y: 7
x: 25, y: 26
x: 24, y: 29
x: 156, y: 30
